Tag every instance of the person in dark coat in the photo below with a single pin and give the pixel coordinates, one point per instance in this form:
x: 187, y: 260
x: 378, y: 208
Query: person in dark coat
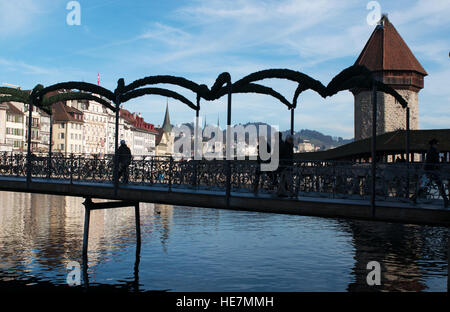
x: 432, y: 158
x: 124, y: 159
x: 432, y: 171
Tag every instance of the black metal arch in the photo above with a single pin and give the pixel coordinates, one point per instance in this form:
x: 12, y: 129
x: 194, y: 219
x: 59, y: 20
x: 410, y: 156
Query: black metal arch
x: 202, y: 90
x: 306, y: 81
x: 221, y: 80
x: 8, y: 91
x: 258, y: 89
x: 358, y: 76
x: 157, y: 91
x: 49, y: 101
x: 78, y: 85
x: 15, y: 95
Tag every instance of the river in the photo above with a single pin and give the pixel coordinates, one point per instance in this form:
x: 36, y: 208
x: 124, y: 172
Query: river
x: 200, y: 249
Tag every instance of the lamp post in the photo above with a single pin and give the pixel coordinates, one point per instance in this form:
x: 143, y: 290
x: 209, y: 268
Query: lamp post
x: 407, y: 135
x: 50, y: 148
x: 374, y: 146
x: 407, y: 150
x: 292, y: 121
x: 228, y: 151
x: 116, y: 146
x: 30, y: 111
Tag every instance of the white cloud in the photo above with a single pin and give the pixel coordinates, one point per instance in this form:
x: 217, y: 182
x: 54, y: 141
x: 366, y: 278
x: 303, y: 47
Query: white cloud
x: 21, y: 17
x: 202, y: 38
x: 423, y: 13
x: 13, y: 65
x: 167, y: 34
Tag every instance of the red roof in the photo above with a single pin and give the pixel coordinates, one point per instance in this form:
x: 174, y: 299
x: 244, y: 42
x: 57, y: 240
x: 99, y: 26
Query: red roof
x: 137, y: 121
x: 64, y: 113
x: 387, y: 51
x: 11, y: 109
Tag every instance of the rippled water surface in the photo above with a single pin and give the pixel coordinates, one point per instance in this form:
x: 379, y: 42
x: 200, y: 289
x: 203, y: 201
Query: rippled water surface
x: 198, y: 249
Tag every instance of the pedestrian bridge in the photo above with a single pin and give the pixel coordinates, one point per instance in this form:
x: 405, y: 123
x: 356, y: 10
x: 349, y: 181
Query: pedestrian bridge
x: 326, y: 189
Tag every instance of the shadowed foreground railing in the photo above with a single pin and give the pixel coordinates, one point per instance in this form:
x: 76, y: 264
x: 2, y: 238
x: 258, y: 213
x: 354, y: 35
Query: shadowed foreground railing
x: 323, y: 179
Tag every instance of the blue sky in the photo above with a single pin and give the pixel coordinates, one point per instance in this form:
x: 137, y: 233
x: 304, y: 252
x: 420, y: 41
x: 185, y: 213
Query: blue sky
x: 200, y: 39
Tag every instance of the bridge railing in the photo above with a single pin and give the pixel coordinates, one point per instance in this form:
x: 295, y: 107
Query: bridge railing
x: 329, y: 179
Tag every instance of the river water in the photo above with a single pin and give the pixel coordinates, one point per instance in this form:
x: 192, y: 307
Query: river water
x: 199, y: 249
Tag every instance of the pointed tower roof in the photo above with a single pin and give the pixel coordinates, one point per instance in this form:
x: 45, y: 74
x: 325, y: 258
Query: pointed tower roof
x: 167, y: 127
x: 387, y: 51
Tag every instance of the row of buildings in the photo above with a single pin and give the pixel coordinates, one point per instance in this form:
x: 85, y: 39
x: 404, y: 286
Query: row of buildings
x: 81, y: 127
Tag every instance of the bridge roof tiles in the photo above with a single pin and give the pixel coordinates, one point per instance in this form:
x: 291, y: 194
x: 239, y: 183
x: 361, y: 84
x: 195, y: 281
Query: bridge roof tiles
x: 391, y: 142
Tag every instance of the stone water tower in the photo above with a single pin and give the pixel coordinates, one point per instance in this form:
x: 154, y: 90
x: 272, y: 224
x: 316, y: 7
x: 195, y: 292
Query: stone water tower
x: 392, y: 62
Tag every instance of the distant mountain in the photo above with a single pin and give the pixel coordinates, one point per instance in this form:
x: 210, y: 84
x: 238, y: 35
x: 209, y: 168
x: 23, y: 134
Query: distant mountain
x: 315, y: 137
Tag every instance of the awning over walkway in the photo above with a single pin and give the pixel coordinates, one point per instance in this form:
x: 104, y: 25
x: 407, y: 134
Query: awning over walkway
x: 387, y: 144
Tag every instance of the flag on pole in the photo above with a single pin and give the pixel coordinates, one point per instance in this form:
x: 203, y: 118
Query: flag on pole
x: 98, y: 78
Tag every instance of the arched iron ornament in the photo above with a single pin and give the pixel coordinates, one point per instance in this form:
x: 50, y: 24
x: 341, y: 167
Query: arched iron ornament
x: 49, y: 101
x: 157, y: 91
x: 8, y: 92
x: 358, y: 76
x: 202, y: 90
x: 217, y: 90
x: 21, y: 96
x: 38, y: 96
x: 258, y: 89
x: 304, y: 80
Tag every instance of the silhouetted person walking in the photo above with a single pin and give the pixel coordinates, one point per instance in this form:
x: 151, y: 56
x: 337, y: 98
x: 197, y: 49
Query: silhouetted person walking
x: 124, y: 158
x: 432, y: 171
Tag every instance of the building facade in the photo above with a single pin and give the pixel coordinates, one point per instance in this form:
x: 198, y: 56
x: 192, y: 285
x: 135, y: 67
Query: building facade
x: 68, y: 128
x: 140, y: 135
x: 14, y: 130
x: 79, y: 127
x: 44, y: 132
x: 35, y: 127
x: 95, y: 118
x: 3, y: 146
x: 306, y: 147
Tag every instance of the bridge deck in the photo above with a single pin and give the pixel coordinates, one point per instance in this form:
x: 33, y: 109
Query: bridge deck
x: 184, y: 196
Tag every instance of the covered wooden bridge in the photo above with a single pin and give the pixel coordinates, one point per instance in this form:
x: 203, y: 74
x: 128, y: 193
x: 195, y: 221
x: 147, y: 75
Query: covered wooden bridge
x: 390, y: 146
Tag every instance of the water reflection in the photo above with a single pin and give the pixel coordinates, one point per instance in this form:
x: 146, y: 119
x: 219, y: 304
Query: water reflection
x: 409, y: 255
x: 196, y: 249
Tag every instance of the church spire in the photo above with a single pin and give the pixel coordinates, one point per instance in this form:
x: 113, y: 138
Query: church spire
x: 167, y: 127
